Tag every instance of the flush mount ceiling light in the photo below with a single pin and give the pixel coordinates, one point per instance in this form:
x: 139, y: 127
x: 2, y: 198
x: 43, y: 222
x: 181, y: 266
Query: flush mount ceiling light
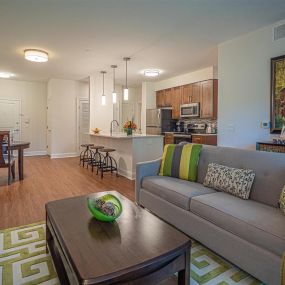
x: 151, y: 72
x: 126, y: 90
x: 36, y: 55
x: 114, y: 94
x: 6, y: 75
x: 103, y: 98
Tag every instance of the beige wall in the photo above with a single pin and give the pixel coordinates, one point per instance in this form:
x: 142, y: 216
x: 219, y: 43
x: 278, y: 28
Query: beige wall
x: 244, y: 88
x: 33, y: 109
x: 62, y: 115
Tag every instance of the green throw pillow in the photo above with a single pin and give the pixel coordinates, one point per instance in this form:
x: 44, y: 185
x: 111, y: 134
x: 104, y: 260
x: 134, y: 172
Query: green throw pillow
x: 181, y: 161
x: 282, y: 200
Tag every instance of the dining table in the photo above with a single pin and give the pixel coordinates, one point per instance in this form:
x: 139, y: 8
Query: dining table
x: 20, y: 146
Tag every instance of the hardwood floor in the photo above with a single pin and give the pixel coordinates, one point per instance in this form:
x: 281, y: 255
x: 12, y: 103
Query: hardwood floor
x: 47, y: 179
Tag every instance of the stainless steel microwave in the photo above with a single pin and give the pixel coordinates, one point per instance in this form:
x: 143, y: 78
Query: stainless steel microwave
x: 190, y: 110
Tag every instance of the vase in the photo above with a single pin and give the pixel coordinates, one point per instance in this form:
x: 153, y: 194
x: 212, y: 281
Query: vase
x: 129, y: 131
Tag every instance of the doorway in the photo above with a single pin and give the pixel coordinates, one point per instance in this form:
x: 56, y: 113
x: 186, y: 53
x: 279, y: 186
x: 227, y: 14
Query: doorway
x: 10, y: 117
x: 83, y: 122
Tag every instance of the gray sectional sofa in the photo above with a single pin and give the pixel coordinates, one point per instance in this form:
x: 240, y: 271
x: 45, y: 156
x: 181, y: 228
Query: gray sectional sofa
x: 249, y: 233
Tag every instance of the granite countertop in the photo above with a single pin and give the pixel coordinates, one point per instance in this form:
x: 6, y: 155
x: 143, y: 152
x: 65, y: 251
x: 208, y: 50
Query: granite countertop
x: 123, y: 136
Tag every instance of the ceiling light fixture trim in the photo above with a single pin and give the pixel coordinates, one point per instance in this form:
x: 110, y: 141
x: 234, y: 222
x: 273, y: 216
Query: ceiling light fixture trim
x: 36, y: 55
x: 151, y: 72
x: 6, y: 75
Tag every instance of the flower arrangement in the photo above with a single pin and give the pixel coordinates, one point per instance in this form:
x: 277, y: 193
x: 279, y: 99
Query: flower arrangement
x: 129, y: 126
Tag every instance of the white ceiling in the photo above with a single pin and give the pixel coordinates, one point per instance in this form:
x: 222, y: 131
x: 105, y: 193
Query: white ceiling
x: 86, y: 36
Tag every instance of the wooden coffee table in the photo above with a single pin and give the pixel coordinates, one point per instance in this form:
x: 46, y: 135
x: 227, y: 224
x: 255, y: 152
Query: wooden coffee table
x: 138, y: 248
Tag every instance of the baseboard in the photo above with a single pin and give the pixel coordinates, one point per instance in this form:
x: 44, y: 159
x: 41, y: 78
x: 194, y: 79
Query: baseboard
x: 63, y: 155
x: 128, y: 174
x: 34, y: 153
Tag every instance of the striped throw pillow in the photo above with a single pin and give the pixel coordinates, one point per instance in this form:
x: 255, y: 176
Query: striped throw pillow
x: 181, y: 161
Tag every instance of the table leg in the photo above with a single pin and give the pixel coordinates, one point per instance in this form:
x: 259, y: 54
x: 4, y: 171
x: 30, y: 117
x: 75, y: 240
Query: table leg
x: 184, y: 275
x: 21, y: 163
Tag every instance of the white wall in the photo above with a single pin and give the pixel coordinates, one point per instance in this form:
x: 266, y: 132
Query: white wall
x: 131, y: 108
x: 101, y: 116
x: 244, y: 88
x: 62, y: 115
x: 33, y: 109
x: 148, y: 102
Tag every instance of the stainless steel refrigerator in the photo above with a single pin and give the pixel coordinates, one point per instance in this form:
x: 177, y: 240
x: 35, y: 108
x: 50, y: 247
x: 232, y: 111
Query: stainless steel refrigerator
x: 159, y: 121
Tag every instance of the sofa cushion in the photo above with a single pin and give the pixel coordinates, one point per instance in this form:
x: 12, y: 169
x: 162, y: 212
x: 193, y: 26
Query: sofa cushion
x: 180, y: 161
x: 282, y: 200
x: 235, y: 181
x: 269, y: 169
x: 257, y: 223
x: 174, y: 190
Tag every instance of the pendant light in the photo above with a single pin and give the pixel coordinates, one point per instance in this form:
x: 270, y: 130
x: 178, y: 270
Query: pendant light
x: 103, y: 98
x: 126, y: 90
x: 114, y: 94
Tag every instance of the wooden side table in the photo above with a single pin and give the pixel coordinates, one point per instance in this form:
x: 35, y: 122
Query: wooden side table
x: 270, y: 146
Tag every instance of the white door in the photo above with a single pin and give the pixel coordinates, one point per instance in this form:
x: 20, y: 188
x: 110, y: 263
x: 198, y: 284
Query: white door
x: 49, y: 126
x: 83, y: 122
x: 10, y: 117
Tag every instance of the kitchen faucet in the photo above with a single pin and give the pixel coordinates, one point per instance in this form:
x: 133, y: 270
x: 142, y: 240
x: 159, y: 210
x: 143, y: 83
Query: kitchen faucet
x: 111, y: 126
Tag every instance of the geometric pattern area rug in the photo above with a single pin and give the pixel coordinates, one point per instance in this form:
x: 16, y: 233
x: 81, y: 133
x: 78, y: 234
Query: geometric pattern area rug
x: 23, y: 260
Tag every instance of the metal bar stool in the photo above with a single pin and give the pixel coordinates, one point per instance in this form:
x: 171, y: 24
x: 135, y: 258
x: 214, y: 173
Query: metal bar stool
x: 86, y: 154
x: 97, y: 157
x: 109, y: 163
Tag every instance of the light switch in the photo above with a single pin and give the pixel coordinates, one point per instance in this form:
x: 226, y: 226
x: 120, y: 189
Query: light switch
x: 265, y: 124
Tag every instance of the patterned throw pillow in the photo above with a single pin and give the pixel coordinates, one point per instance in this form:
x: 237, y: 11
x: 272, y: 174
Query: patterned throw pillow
x: 282, y: 200
x: 235, y: 181
x: 181, y: 161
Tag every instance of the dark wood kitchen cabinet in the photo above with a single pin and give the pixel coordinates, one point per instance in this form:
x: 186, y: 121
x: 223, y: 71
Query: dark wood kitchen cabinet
x: 209, y: 99
x: 204, y: 92
x: 204, y: 139
x: 168, y: 138
x: 168, y: 97
x: 187, y: 94
x: 176, y: 102
x: 160, y: 98
x: 196, y: 92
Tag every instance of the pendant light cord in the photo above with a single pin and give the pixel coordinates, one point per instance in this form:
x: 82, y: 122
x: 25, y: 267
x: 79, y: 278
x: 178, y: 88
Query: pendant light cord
x: 126, y: 73
x: 103, y: 85
x: 114, y: 80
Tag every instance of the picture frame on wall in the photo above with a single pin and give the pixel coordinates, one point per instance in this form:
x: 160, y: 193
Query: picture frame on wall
x: 277, y: 94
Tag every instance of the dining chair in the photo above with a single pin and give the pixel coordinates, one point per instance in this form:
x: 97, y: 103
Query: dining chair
x: 6, y: 158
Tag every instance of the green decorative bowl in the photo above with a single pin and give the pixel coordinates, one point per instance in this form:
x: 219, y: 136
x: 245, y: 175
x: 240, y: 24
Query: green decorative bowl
x: 101, y: 216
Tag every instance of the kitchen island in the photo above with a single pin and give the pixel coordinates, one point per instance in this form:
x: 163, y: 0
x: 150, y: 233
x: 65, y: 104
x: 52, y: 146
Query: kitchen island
x: 130, y: 149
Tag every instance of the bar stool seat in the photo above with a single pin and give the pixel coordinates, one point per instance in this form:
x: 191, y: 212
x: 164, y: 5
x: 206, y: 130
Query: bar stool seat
x: 107, y: 150
x: 86, y: 154
x: 108, y: 164
x: 97, y: 157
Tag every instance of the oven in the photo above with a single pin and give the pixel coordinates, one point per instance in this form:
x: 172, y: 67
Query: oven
x: 181, y: 138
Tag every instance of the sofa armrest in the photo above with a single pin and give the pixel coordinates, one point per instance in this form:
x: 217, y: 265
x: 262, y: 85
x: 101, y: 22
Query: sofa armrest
x: 143, y: 169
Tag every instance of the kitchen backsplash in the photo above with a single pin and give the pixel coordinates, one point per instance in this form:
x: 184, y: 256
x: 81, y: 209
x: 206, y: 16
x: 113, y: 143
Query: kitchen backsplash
x: 200, y: 121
